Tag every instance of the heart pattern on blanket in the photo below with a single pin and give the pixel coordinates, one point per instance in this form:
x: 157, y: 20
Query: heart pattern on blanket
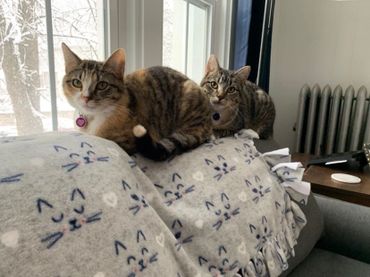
x: 110, y: 198
x: 10, y: 239
x: 199, y: 223
x: 242, y: 249
x: 242, y: 196
x: 160, y: 239
x: 198, y: 176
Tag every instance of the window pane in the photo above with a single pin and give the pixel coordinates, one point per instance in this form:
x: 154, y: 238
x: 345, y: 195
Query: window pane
x: 79, y: 25
x: 21, y: 90
x: 185, y: 36
x: 25, y: 106
x: 197, y: 42
x: 174, y: 34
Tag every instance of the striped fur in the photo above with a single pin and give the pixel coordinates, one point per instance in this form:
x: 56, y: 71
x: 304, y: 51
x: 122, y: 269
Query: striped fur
x: 172, y: 109
x: 237, y: 103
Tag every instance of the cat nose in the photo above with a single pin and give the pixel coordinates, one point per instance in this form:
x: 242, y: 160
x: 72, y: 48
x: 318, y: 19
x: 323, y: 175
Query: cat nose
x: 227, y: 217
x: 142, y: 265
x: 87, y: 160
x: 85, y: 99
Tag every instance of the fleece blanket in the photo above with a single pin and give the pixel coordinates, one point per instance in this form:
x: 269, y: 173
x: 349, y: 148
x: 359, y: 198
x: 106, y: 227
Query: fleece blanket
x: 78, y: 205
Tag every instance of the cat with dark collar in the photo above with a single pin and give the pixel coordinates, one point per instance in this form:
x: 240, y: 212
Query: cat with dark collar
x: 236, y: 102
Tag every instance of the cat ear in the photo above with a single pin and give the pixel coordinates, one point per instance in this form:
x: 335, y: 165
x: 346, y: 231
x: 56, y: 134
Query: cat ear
x: 244, y: 72
x: 224, y: 196
x: 118, y: 245
x: 212, y: 65
x: 71, y: 60
x: 140, y: 234
x: 77, y: 192
x: 125, y: 185
x: 42, y: 202
x: 252, y: 228
x: 116, y: 63
x: 178, y: 222
x: 220, y: 249
x: 209, y: 204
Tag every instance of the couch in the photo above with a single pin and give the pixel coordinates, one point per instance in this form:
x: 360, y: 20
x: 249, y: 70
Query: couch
x: 336, y: 240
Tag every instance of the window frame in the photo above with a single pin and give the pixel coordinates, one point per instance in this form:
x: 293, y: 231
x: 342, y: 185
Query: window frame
x: 51, y: 59
x: 137, y: 26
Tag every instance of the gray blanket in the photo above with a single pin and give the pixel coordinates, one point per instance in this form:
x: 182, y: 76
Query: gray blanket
x: 77, y: 205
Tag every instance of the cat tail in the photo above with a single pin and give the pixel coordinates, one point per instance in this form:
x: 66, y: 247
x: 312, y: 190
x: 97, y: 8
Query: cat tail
x: 166, y: 147
x: 148, y: 147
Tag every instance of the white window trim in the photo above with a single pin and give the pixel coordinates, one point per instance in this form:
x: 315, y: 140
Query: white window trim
x: 137, y: 26
x: 51, y: 60
x: 221, y: 31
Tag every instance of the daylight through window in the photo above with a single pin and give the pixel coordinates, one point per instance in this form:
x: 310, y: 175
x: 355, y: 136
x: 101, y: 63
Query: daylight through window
x: 25, y: 90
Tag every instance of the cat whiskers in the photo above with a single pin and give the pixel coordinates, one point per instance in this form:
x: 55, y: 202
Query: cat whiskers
x: 52, y: 239
x: 93, y: 218
x: 71, y: 166
x: 179, y: 244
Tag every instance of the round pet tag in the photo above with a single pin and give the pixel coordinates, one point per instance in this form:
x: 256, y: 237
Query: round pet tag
x: 345, y: 178
x: 81, y: 121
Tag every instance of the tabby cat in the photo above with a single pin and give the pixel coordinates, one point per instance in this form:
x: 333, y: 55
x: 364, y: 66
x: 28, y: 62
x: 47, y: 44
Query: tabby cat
x: 237, y: 103
x: 156, y: 111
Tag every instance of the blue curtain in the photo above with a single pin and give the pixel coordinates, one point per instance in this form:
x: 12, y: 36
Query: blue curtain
x: 251, y: 38
x: 243, y: 11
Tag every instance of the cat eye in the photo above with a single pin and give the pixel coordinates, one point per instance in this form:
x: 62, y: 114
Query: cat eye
x: 225, y: 261
x: 130, y: 258
x: 214, y: 85
x: 80, y: 210
x: 231, y: 90
x: 76, y: 83
x: 102, y: 85
x: 167, y: 193
x: 144, y: 250
x: 58, y: 219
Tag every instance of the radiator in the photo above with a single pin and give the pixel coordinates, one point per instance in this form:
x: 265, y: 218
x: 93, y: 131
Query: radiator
x: 332, y: 121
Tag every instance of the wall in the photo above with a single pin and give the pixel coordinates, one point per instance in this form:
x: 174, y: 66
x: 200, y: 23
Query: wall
x: 316, y: 41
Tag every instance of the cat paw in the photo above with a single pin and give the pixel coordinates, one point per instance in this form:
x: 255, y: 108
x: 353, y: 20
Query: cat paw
x: 139, y: 131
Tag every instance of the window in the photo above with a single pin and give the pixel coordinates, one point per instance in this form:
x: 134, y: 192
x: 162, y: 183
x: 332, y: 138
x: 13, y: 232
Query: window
x: 192, y: 30
x: 186, y: 39
x: 176, y: 33
x: 32, y: 64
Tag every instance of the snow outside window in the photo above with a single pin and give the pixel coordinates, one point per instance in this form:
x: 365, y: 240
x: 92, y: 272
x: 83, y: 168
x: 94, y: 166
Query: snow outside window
x: 32, y: 64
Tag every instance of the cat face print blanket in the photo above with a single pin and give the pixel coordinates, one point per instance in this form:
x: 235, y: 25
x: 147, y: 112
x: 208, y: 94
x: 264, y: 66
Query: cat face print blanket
x: 78, y: 205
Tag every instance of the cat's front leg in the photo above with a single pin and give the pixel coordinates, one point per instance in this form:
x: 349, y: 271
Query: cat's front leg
x: 124, y: 138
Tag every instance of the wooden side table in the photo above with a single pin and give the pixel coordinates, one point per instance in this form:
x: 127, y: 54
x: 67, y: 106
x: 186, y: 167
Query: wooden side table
x: 321, y: 182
